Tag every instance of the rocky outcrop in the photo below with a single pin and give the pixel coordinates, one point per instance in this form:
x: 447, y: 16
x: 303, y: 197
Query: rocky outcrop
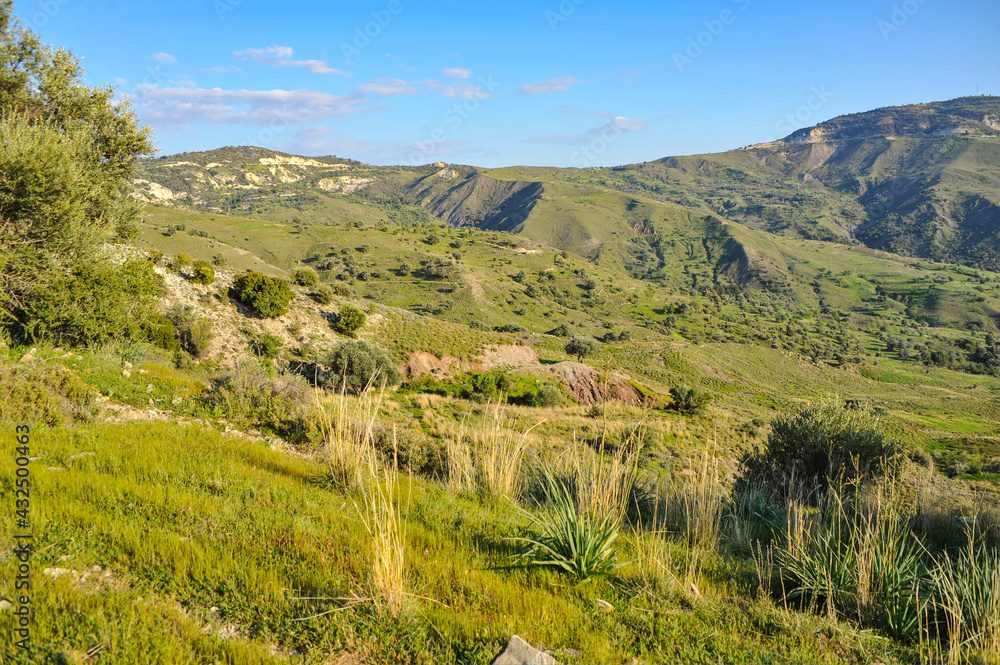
x: 591, y: 388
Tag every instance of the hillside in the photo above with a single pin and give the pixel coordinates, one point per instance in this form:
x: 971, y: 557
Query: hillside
x: 918, y: 180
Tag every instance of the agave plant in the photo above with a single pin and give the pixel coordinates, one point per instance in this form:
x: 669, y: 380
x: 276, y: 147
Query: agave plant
x: 570, y: 539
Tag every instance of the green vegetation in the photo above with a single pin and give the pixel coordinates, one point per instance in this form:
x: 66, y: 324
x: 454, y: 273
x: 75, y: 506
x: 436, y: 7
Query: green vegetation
x: 269, y: 296
x: 306, y: 277
x: 582, y: 346
x: 204, y: 273
x: 359, y: 365
x: 350, y: 320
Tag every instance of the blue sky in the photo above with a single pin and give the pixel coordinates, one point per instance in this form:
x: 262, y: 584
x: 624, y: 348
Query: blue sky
x: 554, y: 82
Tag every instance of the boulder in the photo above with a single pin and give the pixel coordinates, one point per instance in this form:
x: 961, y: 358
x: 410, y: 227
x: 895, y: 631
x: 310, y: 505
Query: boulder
x: 519, y: 652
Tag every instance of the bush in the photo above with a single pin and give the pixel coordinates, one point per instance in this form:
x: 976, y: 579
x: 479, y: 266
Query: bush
x: 254, y: 393
x: 161, y: 332
x: 570, y: 539
x: 306, y: 277
x: 91, y: 305
x: 267, y: 346
x: 47, y: 394
x: 219, y: 260
x: 823, y: 443
x: 358, y: 365
x: 193, y: 332
x: 270, y: 296
x: 350, y: 320
x: 582, y: 346
x: 323, y: 294
x: 204, y: 273
x: 689, y: 401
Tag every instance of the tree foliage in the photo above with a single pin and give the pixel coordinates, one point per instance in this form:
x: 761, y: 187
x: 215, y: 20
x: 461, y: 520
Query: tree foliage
x: 359, y: 365
x: 270, y: 296
x: 826, y: 442
x: 350, y: 320
x: 582, y: 346
x: 67, y: 154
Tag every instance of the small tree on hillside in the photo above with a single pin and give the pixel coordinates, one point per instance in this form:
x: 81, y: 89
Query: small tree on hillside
x: 350, y: 320
x: 689, y: 401
x: 204, y: 273
x: 358, y: 365
x: 268, y: 295
x: 306, y: 277
x: 582, y: 346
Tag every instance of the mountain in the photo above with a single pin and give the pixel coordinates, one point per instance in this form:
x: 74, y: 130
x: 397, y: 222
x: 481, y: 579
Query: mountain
x: 920, y: 180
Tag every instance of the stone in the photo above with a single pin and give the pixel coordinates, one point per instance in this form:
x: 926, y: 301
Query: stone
x: 604, y: 605
x: 175, y: 401
x: 27, y: 358
x: 519, y: 652
x: 149, y: 388
x: 127, y: 374
x: 58, y: 572
x: 5, y: 605
x: 126, y: 364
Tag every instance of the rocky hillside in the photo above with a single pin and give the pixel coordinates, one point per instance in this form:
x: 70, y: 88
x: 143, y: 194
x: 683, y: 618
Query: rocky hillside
x: 920, y: 180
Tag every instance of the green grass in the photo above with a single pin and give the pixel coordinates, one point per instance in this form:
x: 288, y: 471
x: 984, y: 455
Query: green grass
x: 186, y: 520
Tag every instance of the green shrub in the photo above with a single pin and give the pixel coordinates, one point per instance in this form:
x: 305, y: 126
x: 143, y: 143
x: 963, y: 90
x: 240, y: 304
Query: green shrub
x: 323, y: 294
x: 342, y: 290
x: 582, y: 346
x: 270, y: 296
x: 161, y: 332
x: 204, y: 273
x: 305, y: 276
x: 219, y: 260
x: 350, y: 320
x: 255, y: 394
x: 91, y: 305
x: 193, y: 332
x: 689, y: 401
x: 822, y: 443
x: 570, y: 539
x: 46, y: 394
x: 358, y: 365
x: 267, y: 346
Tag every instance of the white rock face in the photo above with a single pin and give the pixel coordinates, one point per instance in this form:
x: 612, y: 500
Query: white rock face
x: 151, y: 192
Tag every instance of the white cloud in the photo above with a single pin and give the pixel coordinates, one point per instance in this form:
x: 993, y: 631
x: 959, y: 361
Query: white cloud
x: 617, y: 125
x: 457, y: 73
x: 560, y: 84
x: 281, y: 56
x: 224, y: 70
x: 387, y: 87
x: 458, y: 90
x: 164, y: 58
x: 178, y: 106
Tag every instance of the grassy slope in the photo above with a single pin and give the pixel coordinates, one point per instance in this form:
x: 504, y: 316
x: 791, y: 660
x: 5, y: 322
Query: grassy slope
x: 208, y: 547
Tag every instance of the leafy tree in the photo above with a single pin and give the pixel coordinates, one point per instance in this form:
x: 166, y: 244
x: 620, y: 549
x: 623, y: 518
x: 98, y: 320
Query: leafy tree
x: 193, y: 332
x: 270, y: 296
x: 827, y: 441
x: 305, y: 276
x: 350, y: 320
x: 689, y: 401
x: 67, y: 154
x: 359, y: 365
x: 582, y: 346
x: 204, y: 273
x: 323, y: 294
x: 267, y: 346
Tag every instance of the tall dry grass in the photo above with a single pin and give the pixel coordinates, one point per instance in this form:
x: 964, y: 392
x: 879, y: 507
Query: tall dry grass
x: 354, y: 463
x: 489, y: 456
x: 383, y: 517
